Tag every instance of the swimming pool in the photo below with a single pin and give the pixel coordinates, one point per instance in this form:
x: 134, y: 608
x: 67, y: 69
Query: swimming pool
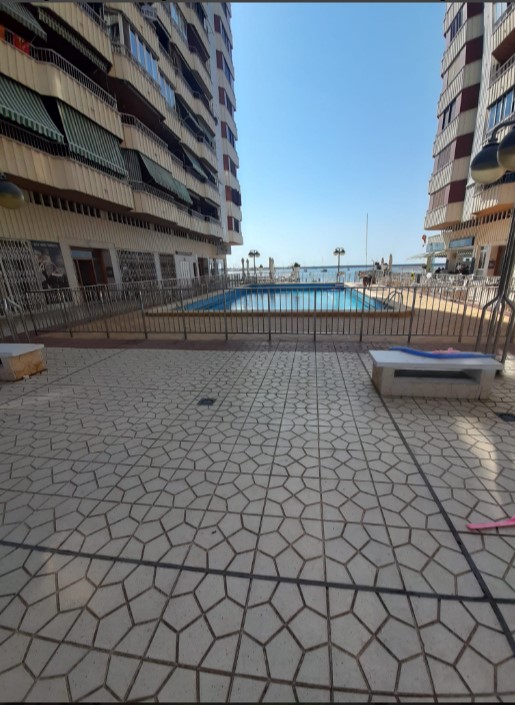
x: 287, y: 298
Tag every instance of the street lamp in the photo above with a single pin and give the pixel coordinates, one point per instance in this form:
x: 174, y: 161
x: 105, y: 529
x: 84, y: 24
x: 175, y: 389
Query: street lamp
x: 10, y: 195
x: 488, y: 166
x: 338, y: 251
x: 254, y: 254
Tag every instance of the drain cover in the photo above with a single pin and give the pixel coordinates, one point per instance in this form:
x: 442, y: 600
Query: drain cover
x: 206, y: 401
x: 510, y: 418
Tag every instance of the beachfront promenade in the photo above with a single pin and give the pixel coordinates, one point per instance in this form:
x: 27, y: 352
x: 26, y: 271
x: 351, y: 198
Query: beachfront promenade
x: 295, y: 537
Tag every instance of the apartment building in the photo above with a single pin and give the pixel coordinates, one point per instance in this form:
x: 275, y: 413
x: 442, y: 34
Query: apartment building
x: 478, y: 84
x: 117, y: 120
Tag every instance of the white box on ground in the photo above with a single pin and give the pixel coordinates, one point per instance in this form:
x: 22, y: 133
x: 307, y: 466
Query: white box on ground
x: 18, y: 360
x: 400, y: 374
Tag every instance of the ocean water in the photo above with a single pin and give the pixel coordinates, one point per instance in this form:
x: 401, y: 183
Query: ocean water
x: 316, y: 275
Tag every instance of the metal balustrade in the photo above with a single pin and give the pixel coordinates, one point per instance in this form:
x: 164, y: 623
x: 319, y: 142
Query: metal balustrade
x: 230, y: 305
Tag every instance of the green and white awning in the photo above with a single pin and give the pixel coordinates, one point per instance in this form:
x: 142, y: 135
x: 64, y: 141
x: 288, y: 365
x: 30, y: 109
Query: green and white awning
x: 21, y: 14
x: 68, y: 35
x: 132, y: 163
x: 89, y: 140
x: 163, y: 178
x: 25, y: 107
x: 195, y: 164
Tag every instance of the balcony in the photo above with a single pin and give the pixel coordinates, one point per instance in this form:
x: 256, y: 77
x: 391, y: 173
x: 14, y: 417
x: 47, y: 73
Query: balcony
x: 150, y: 201
x: 225, y: 116
x: 126, y: 68
x: 201, y: 71
x: 35, y: 161
x: 504, y: 80
x: 234, y: 238
x: 173, y: 122
x: 230, y: 150
x: 494, y: 198
x: 81, y: 18
x: 456, y: 170
x: 233, y: 210
x: 199, y: 147
x: 192, y: 18
x: 48, y: 73
x: 443, y: 216
x: 229, y: 89
x: 139, y: 137
x: 140, y: 23
x: 230, y: 180
x: 194, y: 101
x: 503, y: 39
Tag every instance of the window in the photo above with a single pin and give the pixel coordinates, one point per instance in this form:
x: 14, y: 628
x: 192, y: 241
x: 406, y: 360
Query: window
x: 178, y: 20
x: 501, y: 109
x: 455, y: 24
x: 499, y: 9
x: 143, y: 55
x: 448, y: 114
x: 225, y: 9
x: 227, y: 72
x: 167, y: 91
x: 225, y: 38
x: 230, y: 136
x: 229, y: 165
x: 229, y: 106
x: 236, y: 225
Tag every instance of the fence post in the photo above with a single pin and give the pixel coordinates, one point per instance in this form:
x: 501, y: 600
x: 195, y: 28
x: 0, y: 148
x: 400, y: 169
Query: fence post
x: 27, y: 303
x: 269, y: 318
x: 412, y: 314
x: 315, y: 318
x: 142, y: 305
x: 225, y: 318
x: 463, y: 315
x: 362, y: 315
x: 65, y: 314
x: 102, y: 307
x: 183, y: 315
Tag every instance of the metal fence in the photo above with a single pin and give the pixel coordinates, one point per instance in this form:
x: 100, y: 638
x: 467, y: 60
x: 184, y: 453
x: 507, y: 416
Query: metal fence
x: 230, y: 306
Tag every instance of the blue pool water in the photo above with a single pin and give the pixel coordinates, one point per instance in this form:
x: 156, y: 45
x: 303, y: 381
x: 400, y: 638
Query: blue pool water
x: 288, y: 297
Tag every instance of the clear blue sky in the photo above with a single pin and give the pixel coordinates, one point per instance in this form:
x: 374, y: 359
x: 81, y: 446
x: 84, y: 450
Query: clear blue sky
x: 336, y: 116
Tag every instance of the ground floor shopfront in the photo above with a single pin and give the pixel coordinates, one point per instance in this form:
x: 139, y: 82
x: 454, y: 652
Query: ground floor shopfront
x: 42, y: 248
x: 477, y: 245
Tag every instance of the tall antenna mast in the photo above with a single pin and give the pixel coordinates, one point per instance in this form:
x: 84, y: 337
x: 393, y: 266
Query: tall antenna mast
x: 366, y: 243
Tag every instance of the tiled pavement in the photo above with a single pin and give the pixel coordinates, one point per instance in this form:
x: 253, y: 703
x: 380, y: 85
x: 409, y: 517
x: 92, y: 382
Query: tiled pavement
x: 296, y: 540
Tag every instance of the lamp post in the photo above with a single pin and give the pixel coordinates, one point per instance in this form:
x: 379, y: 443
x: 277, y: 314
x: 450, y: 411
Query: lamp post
x: 10, y: 195
x: 254, y: 254
x: 339, y: 251
x: 488, y: 166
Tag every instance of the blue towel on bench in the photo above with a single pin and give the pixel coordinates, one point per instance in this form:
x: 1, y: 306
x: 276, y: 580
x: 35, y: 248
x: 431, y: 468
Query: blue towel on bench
x: 442, y: 355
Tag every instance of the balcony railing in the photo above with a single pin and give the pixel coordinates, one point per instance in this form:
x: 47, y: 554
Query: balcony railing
x: 500, y: 69
x: 134, y: 122
x: 510, y: 7
x: 54, y: 149
x: 94, y: 16
x: 122, y: 49
x: 148, y: 188
x: 49, y: 56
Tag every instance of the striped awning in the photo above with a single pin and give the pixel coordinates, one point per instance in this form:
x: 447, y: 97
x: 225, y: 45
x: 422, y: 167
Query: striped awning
x: 163, y: 178
x: 187, y: 115
x: 195, y: 164
x: 25, y: 107
x: 132, y: 163
x: 89, y: 140
x: 21, y: 14
x: 62, y: 30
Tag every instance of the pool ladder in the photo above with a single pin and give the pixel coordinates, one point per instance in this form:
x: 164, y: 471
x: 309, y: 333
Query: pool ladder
x: 392, y: 296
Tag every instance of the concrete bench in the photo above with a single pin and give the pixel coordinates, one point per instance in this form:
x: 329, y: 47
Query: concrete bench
x: 18, y: 360
x: 399, y: 374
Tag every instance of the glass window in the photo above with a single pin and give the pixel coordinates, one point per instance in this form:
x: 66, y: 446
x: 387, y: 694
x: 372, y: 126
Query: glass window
x: 499, y: 9
x: 508, y: 105
x: 141, y: 52
x: 134, y: 44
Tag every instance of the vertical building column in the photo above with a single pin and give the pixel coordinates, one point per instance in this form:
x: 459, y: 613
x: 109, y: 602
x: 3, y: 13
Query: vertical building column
x: 157, y: 261
x: 69, y: 267
x: 117, y: 272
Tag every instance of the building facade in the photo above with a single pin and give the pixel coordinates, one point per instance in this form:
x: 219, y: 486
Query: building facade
x: 478, y: 74
x: 117, y: 120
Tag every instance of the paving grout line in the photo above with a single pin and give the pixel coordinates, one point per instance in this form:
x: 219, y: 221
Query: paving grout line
x: 228, y: 674
x: 494, y: 602
x: 311, y: 582
x: 387, y: 528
